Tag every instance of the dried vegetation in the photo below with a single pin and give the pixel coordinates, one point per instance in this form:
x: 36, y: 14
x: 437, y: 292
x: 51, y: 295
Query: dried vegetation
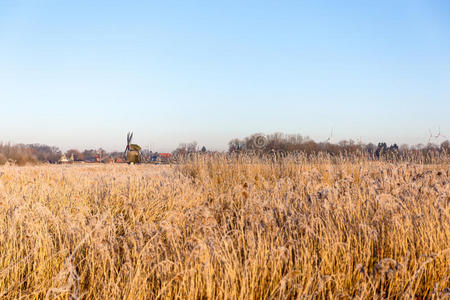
x: 226, y: 228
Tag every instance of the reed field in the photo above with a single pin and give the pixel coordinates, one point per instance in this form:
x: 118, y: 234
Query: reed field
x: 226, y: 228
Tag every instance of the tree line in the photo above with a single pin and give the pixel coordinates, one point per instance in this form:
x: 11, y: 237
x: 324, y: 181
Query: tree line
x: 276, y: 143
x: 279, y: 143
x: 22, y: 154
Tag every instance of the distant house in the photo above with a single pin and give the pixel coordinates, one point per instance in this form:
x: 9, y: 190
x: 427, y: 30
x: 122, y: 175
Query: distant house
x: 63, y: 160
x: 120, y: 160
x: 161, y: 158
x: 164, y: 158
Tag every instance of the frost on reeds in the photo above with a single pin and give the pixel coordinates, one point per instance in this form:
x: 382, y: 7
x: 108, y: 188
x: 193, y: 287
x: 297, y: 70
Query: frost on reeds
x: 226, y: 228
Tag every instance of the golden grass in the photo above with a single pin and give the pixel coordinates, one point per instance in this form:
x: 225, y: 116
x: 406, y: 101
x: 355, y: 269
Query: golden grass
x: 225, y: 228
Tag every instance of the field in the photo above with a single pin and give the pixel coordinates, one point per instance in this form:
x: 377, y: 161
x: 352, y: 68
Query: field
x: 226, y: 228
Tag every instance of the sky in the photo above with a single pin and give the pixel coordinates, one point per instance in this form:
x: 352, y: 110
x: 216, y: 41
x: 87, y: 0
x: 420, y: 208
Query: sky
x: 81, y: 74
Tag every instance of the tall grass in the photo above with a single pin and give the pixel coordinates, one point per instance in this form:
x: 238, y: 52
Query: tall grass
x: 226, y: 228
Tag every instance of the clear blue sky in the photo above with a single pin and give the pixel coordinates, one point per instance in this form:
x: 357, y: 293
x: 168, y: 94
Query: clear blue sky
x: 80, y: 74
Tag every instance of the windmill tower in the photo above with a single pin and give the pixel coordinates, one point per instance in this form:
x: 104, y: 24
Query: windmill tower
x: 439, y: 135
x: 436, y: 137
x: 329, y: 140
x: 430, y: 137
x: 132, y: 151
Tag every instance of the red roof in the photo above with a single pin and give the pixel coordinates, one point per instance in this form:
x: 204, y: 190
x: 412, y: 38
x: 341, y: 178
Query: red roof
x: 165, y: 154
x: 120, y: 160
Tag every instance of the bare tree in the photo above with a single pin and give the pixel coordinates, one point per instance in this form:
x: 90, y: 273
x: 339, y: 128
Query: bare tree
x: 77, y: 155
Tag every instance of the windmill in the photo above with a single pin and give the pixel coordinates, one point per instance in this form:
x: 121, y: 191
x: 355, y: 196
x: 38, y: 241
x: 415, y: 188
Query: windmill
x: 436, y: 137
x: 431, y: 137
x: 330, y: 138
x: 439, y: 135
x: 132, y: 151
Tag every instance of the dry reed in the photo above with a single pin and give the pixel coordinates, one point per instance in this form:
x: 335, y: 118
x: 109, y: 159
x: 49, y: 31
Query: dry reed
x: 226, y: 228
